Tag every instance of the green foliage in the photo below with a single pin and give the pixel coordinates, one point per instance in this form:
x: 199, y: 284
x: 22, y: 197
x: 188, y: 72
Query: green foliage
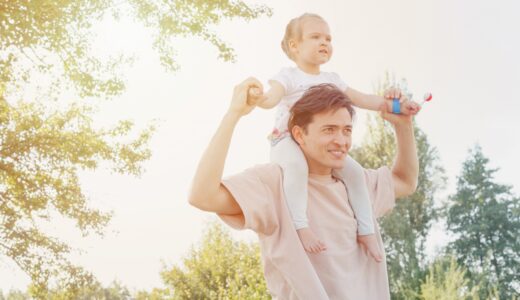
x: 94, y: 291
x: 155, y: 294
x: 484, y: 217
x: 55, y: 37
x: 115, y: 291
x: 47, y: 45
x: 406, y: 228
x: 175, y: 18
x: 14, y: 295
x: 40, y: 155
x: 446, y: 281
x: 219, y: 269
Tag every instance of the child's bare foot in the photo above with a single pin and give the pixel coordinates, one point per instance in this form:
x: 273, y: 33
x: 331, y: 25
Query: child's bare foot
x: 310, y: 242
x: 369, y: 242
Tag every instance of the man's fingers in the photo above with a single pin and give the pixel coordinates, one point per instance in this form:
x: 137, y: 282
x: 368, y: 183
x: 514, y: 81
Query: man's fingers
x: 253, y: 82
x: 392, y: 93
x: 254, y: 96
x: 254, y: 90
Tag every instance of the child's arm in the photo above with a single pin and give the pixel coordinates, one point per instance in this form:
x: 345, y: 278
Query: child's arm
x: 365, y: 101
x: 271, y: 98
x: 374, y: 102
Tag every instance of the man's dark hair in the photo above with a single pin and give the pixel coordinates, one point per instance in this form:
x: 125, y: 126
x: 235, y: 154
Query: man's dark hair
x: 317, y: 99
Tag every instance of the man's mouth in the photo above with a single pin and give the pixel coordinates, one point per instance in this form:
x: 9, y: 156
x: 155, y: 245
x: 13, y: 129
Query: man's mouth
x: 324, y: 51
x: 337, y: 153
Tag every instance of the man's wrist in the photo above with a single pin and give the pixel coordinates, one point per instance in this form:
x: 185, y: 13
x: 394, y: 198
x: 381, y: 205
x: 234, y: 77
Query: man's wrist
x: 403, y: 124
x: 232, y: 116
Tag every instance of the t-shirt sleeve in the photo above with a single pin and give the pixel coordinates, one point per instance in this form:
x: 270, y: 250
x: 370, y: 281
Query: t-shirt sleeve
x: 256, y: 199
x: 284, y: 78
x: 381, y: 190
x: 336, y: 79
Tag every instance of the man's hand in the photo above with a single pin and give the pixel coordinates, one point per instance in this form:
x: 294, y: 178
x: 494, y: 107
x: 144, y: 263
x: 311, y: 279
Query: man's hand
x: 392, y: 93
x: 409, y: 107
x: 240, y: 103
x: 256, y: 96
x: 395, y: 119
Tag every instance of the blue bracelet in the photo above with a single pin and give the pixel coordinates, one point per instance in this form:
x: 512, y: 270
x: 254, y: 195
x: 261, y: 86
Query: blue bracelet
x: 396, y: 106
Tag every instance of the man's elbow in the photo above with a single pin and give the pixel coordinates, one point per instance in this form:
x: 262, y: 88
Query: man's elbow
x: 405, y: 185
x: 197, y: 201
x: 204, y: 201
x: 410, y: 187
x: 413, y: 186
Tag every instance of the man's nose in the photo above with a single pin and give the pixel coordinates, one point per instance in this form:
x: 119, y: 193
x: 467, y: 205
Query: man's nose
x: 341, y: 139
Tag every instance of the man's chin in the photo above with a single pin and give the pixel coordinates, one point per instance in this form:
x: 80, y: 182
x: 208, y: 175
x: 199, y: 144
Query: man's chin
x: 338, y: 165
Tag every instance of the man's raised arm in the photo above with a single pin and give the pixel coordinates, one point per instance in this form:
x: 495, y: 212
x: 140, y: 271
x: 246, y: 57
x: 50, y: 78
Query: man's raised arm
x: 207, y: 192
x: 405, y: 171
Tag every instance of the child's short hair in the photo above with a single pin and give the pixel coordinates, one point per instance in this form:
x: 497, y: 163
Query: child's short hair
x: 294, y: 30
x: 317, y: 99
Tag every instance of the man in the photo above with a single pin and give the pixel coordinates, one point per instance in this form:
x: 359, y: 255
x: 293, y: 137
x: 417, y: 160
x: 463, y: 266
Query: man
x: 321, y: 123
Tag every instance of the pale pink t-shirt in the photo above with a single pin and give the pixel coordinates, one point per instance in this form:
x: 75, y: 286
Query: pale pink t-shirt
x: 343, y: 271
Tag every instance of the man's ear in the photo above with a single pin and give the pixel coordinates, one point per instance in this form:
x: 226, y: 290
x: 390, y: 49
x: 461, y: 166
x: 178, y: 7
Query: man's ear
x: 297, y: 133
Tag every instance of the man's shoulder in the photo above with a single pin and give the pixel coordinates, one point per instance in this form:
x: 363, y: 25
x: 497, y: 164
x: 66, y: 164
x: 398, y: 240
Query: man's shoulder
x: 381, y: 190
x: 267, y: 173
x: 383, y: 172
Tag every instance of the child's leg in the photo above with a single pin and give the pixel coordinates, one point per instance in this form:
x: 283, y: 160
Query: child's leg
x: 289, y: 156
x: 295, y: 180
x: 354, y: 178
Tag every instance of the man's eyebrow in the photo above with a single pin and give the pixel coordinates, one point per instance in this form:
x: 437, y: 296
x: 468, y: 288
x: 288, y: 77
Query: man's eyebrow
x: 335, y: 126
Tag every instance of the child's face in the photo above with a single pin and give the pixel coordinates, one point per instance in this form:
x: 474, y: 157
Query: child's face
x: 315, y: 46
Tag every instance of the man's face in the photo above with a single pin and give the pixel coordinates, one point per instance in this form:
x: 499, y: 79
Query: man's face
x: 327, y: 140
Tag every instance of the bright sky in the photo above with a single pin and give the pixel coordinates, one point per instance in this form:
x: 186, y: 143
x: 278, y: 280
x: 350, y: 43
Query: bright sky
x: 465, y: 52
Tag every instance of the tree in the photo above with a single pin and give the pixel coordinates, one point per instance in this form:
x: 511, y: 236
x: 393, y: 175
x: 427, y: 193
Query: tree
x: 115, y: 291
x: 446, y: 281
x: 14, y: 295
x: 55, y: 37
x: 44, y: 142
x: 219, y: 268
x: 484, y: 217
x: 40, y: 155
x: 404, y: 230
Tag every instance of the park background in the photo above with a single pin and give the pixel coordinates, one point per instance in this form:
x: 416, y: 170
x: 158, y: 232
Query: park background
x: 464, y: 52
